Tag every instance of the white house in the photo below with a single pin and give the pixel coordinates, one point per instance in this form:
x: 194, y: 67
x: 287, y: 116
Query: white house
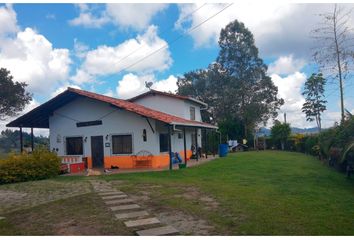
x: 145, y: 131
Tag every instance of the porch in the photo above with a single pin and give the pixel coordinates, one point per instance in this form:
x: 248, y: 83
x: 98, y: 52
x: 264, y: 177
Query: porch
x: 103, y: 171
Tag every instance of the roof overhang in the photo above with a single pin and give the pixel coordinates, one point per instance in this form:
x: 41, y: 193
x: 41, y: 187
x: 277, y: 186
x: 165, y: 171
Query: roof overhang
x: 194, y: 125
x: 39, y: 117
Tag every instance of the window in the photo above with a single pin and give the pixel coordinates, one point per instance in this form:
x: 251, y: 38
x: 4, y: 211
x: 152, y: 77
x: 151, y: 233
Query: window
x: 122, y: 144
x: 163, y: 142
x: 180, y: 135
x: 74, y: 146
x: 192, y: 112
x: 144, y: 135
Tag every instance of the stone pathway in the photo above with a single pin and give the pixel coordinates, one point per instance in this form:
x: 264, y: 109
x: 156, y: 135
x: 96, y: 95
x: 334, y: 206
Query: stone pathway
x: 143, y: 223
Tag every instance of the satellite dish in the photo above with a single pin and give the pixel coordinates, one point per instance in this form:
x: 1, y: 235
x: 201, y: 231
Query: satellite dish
x: 148, y: 84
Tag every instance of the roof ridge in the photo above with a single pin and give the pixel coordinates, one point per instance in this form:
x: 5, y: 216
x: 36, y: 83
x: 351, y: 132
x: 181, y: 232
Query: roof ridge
x: 167, y: 94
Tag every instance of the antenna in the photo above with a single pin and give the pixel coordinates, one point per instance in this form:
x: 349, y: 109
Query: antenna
x: 148, y: 85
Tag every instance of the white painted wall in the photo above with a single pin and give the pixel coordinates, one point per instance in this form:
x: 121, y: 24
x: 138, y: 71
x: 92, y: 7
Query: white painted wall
x: 117, y: 122
x: 173, y: 106
x: 62, y: 124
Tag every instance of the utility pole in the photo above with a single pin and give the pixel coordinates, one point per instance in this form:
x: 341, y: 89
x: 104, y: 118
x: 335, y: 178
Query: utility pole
x: 285, y: 117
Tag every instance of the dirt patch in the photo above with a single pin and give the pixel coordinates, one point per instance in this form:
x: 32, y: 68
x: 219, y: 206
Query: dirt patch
x: 151, y: 196
x: 187, y: 224
x: 9, y: 196
x: 193, y: 193
x: 73, y: 228
x: 79, y: 215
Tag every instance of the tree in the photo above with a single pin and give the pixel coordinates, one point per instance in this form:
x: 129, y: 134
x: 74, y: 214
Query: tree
x: 13, y: 96
x: 334, y: 49
x: 314, y: 94
x: 280, y: 132
x: 236, y: 85
x: 238, y: 56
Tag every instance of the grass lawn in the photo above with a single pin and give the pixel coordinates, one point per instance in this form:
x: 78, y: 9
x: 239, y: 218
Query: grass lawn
x: 250, y: 193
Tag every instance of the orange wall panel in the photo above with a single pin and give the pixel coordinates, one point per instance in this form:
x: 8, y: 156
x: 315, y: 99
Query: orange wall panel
x: 126, y: 162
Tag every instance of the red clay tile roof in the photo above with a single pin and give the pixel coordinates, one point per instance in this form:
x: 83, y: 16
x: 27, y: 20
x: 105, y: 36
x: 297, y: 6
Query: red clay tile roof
x: 152, y: 91
x: 141, y: 110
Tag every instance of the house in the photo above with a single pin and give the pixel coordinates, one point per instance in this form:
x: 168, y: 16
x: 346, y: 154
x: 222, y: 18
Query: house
x: 105, y: 132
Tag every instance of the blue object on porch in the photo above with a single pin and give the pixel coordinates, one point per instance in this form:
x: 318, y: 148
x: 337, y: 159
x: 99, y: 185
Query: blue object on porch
x: 176, y: 158
x: 223, y: 149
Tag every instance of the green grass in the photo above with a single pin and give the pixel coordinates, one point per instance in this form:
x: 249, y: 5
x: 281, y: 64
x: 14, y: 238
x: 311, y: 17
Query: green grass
x: 258, y: 193
x: 263, y: 193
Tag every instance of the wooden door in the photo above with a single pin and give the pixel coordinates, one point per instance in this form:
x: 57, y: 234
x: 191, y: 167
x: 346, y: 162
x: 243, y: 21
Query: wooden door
x: 97, y: 151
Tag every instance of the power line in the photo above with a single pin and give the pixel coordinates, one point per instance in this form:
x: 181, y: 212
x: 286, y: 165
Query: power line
x: 164, y: 31
x: 176, y: 39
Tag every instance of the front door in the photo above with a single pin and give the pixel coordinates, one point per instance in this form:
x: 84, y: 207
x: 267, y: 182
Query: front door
x: 97, y: 151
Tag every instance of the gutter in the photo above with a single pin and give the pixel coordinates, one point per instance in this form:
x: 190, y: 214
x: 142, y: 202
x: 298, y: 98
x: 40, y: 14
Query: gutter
x: 193, y: 125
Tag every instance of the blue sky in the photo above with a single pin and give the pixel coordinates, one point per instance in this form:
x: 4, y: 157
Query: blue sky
x: 53, y: 46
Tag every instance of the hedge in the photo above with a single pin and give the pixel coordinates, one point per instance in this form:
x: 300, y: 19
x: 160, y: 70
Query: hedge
x: 40, y: 164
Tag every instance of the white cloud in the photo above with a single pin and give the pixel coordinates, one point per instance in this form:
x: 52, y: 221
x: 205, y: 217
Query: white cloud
x: 82, y: 77
x: 279, y: 28
x: 113, y: 59
x: 8, y: 21
x: 132, y: 85
x: 50, y: 16
x: 42, y: 67
x: 124, y: 15
x: 109, y: 93
x: 286, y: 65
x: 136, y: 16
x: 80, y: 49
x: 166, y: 85
x: 256, y: 16
x: 63, y: 88
x: 87, y: 19
x: 289, y: 88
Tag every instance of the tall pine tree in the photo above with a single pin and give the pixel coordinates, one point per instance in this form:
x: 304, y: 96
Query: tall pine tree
x: 252, y: 92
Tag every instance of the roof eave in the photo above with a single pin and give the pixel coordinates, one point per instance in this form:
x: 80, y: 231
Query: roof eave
x: 194, y: 125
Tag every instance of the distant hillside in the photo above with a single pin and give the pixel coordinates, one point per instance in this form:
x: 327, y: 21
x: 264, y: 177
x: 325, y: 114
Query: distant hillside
x: 266, y: 131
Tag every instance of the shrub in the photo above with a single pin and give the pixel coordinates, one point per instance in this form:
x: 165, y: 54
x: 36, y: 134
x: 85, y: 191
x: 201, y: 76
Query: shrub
x: 40, y: 164
x: 311, y: 145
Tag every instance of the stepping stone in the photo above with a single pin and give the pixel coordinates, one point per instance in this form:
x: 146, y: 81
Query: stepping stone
x: 132, y: 214
x: 2, y: 218
x: 158, y: 231
x: 124, y: 200
x: 110, y: 193
x: 114, y: 196
x: 125, y: 207
x: 141, y: 222
x: 105, y: 190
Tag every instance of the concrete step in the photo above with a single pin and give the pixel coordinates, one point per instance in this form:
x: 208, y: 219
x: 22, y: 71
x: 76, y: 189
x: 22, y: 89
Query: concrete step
x: 131, y: 214
x: 101, y: 190
x: 118, y: 201
x: 167, y: 230
x: 114, y: 197
x: 125, y: 207
x: 141, y: 222
x: 110, y: 193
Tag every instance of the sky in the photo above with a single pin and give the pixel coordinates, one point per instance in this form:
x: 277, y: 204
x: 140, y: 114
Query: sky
x: 107, y: 48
